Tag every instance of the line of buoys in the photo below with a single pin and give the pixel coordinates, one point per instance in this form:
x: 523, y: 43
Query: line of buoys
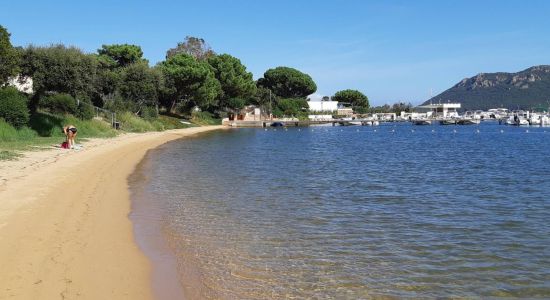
x: 394, y: 131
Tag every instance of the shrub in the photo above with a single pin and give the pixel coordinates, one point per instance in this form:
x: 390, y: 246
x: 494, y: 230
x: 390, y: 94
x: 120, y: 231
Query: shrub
x: 59, y: 103
x: 132, y: 123
x: 46, y: 124
x: 85, y: 109
x: 149, y: 113
x: 291, y: 107
x: 204, y: 118
x: 13, y: 107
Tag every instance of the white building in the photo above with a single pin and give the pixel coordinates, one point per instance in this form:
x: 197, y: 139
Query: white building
x: 323, y: 105
x: 443, y: 110
x: 22, y: 84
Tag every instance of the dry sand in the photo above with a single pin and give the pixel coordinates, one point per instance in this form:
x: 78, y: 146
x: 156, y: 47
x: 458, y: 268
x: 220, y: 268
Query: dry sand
x: 64, y: 227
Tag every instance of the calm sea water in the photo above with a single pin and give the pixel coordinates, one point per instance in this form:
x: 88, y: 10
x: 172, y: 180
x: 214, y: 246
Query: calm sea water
x: 356, y: 212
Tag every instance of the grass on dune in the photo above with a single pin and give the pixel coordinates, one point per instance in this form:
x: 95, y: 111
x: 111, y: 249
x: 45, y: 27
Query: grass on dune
x: 45, y: 131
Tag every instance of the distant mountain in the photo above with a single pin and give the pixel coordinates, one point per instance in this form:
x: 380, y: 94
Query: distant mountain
x: 527, y: 89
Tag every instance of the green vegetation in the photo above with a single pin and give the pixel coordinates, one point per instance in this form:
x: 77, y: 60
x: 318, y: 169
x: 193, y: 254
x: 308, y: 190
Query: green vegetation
x: 13, y: 107
x: 395, y: 108
x: 528, y: 89
x: 191, y: 82
x: 235, y: 81
x: 9, y: 58
x: 122, y: 55
x: 288, y: 82
x: 196, y: 47
x: 355, y: 98
x: 204, y: 118
x: 290, y: 88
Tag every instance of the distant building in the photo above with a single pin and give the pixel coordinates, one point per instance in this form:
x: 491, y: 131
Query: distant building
x: 22, y: 84
x: 345, y: 111
x: 247, y: 113
x: 323, y: 105
x: 442, y: 110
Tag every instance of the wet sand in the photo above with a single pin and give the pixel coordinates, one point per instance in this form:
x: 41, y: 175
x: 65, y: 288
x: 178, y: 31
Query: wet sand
x: 64, y: 227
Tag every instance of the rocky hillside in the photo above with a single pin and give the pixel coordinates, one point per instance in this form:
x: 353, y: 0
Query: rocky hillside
x: 527, y: 89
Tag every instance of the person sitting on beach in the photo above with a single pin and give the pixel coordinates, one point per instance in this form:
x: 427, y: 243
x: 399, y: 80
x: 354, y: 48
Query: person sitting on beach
x: 70, y: 133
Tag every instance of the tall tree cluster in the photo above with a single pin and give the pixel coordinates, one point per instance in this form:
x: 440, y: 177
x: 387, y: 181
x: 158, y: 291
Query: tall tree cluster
x: 9, y: 57
x: 119, y: 78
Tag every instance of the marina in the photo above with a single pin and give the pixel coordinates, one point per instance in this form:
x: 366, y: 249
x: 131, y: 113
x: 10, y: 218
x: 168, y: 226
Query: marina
x: 433, y: 114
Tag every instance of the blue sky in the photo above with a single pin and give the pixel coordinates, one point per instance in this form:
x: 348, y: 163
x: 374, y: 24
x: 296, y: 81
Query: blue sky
x: 390, y: 50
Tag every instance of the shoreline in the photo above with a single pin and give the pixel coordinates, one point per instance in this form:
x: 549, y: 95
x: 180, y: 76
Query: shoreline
x: 65, y: 229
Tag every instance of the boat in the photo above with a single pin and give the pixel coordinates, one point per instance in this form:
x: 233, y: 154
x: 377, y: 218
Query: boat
x: 371, y: 123
x: 468, y: 121
x: 447, y: 122
x: 422, y: 122
x: 348, y: 121
x: 277, y: 124
x: 517, y: 121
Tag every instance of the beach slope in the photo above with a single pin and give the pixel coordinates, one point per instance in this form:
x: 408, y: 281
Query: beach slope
x: 64, y: 227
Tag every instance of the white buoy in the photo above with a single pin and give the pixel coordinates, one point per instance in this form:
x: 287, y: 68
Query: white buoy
x: 477, y: 130
x: 299, y: 129
x: 265, y: 129
x: 454, y: 130
x: 527, y: 131
x: 274, y: 129
x: 501, y: 131
x: 392, y: 130
x: 375, y: 130
x: 412, y: 130
x: 357, y: 130
x: 433, y: 130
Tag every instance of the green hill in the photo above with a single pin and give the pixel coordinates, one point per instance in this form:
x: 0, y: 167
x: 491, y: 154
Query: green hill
x: 528, y: 89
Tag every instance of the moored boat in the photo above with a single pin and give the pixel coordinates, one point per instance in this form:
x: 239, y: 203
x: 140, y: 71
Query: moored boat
x: 468, y: 121
x: 422, y: 122
x: 447, y: 122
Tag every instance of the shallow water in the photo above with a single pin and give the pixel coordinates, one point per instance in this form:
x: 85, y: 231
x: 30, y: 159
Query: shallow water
x: 356, y: 212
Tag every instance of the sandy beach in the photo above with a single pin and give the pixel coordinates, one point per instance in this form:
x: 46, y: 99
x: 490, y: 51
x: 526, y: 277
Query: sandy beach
x: 64, y: 227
